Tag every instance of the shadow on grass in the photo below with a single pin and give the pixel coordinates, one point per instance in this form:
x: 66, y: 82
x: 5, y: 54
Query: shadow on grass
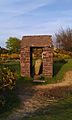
x: 59, y: 110
x: 55, y: 111
x: 57, y: 65
x: 12, y: 102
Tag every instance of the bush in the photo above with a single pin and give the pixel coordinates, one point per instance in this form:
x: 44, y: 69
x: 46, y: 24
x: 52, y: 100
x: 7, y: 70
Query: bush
x: 62, y: 54
x: 9, y: 56
x: 7, y: 78
x: 7, y: 82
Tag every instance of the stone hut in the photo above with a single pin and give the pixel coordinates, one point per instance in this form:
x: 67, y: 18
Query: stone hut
x: 36, y: 56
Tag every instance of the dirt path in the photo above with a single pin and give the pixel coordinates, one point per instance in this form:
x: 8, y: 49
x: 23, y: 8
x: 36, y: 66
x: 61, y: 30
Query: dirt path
x: 67, y: 81
x: 37, y: 97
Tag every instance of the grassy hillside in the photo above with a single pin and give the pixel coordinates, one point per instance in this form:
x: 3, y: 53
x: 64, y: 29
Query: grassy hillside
x: 61, y: 67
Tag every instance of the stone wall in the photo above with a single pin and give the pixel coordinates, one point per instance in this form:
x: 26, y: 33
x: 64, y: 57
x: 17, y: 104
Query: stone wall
x: 47, y: 62
x: 25, y: 61
x: 47, y: 55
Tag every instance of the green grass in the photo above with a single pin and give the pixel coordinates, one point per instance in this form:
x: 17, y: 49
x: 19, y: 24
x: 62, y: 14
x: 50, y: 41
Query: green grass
x: 61, y: 110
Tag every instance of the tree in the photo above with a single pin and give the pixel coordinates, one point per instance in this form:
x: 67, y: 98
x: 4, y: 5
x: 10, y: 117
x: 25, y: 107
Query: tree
x: 64, y: 39
x: 13, y: 45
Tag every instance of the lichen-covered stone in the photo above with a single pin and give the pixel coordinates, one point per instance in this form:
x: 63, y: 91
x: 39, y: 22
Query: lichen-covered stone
x: 38, y: 63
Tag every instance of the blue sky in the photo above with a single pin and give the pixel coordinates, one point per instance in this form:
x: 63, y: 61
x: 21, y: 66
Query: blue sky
x: 32, y: 17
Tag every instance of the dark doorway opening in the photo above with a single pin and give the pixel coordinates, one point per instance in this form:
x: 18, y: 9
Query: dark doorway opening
x: 36, y: 61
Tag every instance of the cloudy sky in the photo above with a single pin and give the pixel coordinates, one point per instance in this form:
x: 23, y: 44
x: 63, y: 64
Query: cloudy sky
x: 32, y: 17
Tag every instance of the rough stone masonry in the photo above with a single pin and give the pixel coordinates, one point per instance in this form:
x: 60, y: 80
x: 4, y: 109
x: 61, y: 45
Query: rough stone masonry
x: 43, y: 41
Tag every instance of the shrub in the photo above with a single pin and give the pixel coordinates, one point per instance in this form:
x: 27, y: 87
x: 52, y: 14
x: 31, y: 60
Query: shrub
x: 10, y: 56
x: 15, y: 56
x: 7, y: 78
x: 62, y: 54
x: 7, y: 82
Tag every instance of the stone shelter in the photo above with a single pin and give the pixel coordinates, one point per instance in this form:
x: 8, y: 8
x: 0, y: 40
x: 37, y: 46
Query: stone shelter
x: 36, y: 56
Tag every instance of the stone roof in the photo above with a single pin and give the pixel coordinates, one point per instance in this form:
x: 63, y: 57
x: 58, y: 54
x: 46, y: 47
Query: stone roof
x: 36, y: 41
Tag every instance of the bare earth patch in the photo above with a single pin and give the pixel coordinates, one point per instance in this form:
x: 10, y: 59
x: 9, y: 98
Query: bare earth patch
x: 35, y: 97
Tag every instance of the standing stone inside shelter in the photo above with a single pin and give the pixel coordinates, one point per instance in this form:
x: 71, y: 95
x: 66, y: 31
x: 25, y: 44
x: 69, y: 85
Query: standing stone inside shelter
x: 37, y: 61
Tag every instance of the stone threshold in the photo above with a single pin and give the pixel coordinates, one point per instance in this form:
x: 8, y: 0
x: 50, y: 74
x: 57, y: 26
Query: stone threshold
x: 39, y: 81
